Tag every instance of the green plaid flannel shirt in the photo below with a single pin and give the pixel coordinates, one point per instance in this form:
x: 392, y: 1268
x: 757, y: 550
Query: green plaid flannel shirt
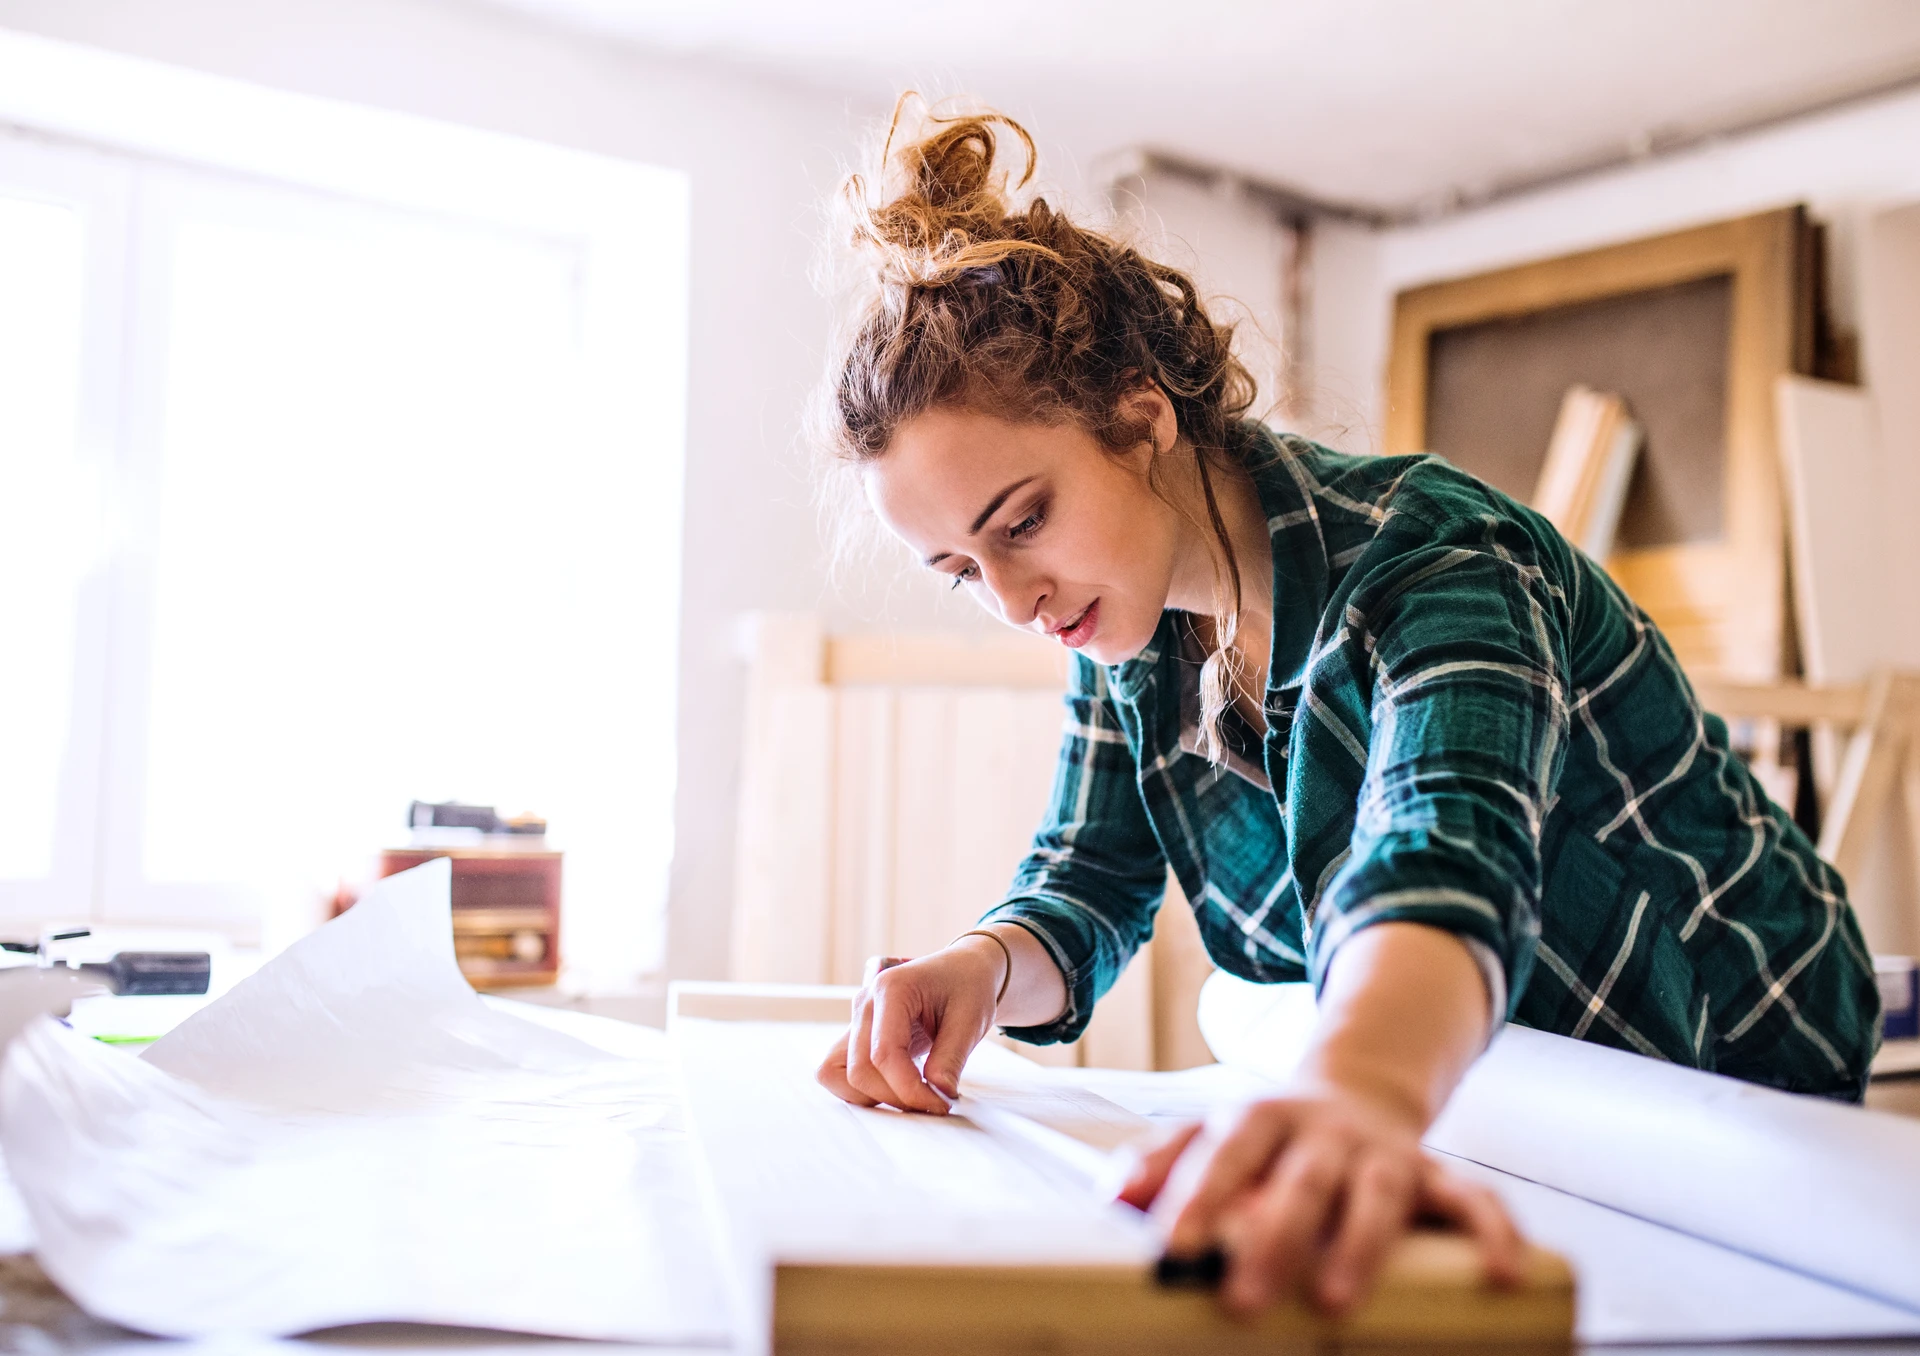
x: 1469, y: 726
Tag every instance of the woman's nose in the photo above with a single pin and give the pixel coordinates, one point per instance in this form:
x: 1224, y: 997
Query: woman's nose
x: 1017, y: 594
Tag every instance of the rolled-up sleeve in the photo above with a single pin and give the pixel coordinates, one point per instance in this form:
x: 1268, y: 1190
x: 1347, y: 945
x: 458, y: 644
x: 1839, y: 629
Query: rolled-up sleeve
x: 1090, y: 886
x: 1459, y: 649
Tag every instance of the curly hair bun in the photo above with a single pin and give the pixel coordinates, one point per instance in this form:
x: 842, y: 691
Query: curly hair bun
x: 946, y: 206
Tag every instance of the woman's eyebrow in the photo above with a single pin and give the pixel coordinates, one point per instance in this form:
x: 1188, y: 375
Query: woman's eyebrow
x: 993, y: 507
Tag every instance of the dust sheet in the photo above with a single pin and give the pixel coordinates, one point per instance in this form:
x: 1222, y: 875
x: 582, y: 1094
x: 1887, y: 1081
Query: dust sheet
x: 353, y: 1135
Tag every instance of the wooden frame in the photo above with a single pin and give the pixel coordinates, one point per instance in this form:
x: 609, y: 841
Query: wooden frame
x: 1882, y: 751
x: 1723, y: 604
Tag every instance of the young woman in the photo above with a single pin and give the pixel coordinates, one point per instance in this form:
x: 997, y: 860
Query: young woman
x: 1392, y: 733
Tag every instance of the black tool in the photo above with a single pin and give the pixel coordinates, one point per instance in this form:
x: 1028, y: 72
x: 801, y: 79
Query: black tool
x: 133, y: 973
x: 1202, y: 1271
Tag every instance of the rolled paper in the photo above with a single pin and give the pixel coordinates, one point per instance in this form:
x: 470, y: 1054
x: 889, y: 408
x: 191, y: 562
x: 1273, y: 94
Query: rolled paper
x: 1827, y: 1189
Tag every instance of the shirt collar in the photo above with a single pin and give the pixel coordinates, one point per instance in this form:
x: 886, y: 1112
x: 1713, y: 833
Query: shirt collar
x: 1300, y: 569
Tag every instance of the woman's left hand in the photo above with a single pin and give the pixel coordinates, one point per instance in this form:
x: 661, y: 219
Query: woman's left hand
x: 1309, y: 1192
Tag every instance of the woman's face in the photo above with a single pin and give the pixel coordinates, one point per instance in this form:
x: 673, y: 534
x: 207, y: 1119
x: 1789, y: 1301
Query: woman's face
x: 1043, y: 525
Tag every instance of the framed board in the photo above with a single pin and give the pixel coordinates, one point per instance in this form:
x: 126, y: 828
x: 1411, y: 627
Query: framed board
x: 1692, y: 328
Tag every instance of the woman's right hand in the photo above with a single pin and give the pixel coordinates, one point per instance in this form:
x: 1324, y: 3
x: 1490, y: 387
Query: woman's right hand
x: 938, y: 1006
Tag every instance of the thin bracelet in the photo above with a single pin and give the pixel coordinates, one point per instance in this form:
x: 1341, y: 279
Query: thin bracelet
x: 1005, y: 950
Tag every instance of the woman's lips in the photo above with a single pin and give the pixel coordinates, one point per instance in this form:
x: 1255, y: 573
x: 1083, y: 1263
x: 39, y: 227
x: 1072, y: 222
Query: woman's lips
x: 1081, y: 631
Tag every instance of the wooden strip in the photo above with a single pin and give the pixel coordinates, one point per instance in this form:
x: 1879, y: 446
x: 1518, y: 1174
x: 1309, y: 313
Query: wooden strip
x: 1829, y: 449
x: 937, y: 659
x: 781, y: 861
x: 863, y: 830
x: 1888, y: 246
x: 501, y: 920
x: 1430, y: 1295
x: 1789, y: 703
x: 1866, y: 779
x: 924, y: 801
x: 1910, y: 793
x: 783, y: 874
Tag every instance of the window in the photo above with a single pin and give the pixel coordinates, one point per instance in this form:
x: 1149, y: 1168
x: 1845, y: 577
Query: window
x: 315, y: 499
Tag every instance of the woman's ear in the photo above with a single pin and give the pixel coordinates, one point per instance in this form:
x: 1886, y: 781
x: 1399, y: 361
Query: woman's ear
x: 1148, y: 403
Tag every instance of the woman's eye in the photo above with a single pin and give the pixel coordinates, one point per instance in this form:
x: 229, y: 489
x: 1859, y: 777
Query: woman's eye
x: 965, y: 576
x: 1028, y: 525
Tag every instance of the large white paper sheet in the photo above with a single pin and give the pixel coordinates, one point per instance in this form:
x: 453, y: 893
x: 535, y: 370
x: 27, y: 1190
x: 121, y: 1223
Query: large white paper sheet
x: 352, y: 1135
x: 1813, y: 1187
x: 801, y: 1176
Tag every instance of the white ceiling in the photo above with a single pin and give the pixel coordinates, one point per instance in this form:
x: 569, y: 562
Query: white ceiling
x: 1393, y: 104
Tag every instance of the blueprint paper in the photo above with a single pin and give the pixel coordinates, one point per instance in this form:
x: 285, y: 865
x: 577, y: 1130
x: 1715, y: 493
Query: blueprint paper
x: 353, y: 1135
x: 1829, y: 1191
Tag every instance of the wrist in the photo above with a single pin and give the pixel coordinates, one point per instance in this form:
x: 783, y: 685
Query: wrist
x: 1384, y: 1088
x: 994, y: 958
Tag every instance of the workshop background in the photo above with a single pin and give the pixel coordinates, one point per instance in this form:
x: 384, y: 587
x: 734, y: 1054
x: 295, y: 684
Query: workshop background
x: 400, y: 410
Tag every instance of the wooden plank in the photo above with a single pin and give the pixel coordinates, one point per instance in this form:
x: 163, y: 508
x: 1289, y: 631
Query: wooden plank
x: 864, y: 829
x: 924, y: 801
x: 1866, y: 779
x: 1790, y: 703
x: 1829, y: 455
x: 1429, y: 1298
x: 1889, y: 299
x: 781, y: 863
x: 1583, y: 482
x: 995, y: 807
x: 946, y: 659
x: 1910, y: 796
x: 781, y: 913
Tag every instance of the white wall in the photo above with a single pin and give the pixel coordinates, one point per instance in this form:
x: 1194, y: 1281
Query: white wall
x: 759, y: 155
x: 1232, y: 248
x: 1844, y: 164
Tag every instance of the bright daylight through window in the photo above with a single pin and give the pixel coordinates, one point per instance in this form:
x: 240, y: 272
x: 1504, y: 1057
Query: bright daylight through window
x: 48, y: 519
x: 388, y: 509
